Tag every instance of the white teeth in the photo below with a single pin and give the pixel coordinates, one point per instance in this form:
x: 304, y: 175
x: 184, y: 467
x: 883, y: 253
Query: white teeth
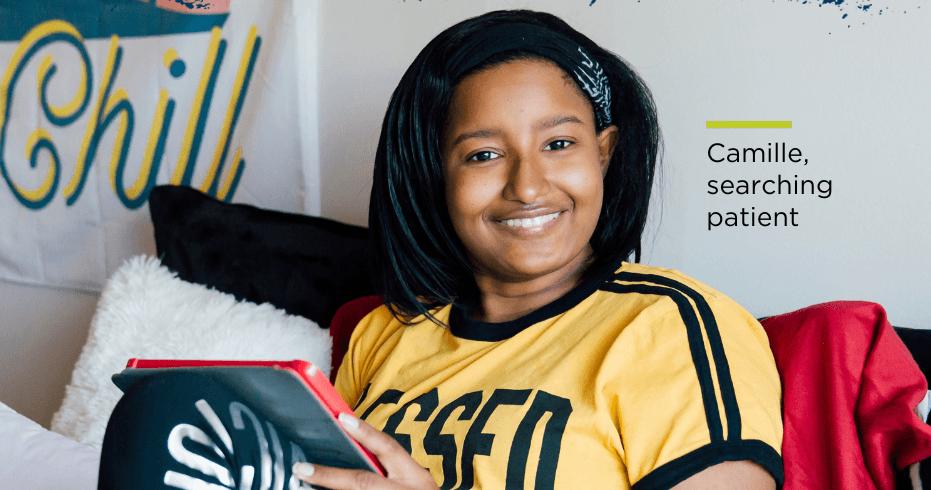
x: 530, y: 222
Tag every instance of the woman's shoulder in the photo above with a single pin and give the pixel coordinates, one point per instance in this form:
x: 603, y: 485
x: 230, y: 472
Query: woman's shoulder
x: 670, y: 295
x: 379, y: 322
x: 687, y: 345
x: 374, y: 338
x: 630, y: 273
x: 382, y: 324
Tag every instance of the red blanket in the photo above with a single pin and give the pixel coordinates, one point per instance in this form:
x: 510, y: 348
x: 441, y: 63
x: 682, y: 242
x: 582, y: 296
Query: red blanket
x: 849, y: 391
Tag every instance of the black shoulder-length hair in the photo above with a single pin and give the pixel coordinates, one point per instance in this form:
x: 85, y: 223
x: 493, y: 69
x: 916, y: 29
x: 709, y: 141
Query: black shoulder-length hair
x: 419, y: 263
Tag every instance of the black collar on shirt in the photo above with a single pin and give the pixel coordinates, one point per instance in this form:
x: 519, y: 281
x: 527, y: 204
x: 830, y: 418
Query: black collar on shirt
x: 464, y: 327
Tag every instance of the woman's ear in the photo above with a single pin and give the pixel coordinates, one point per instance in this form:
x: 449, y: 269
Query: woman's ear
x: 607, y: 140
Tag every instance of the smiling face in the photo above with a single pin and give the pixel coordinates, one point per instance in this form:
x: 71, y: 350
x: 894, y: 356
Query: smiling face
x: 524, y: 172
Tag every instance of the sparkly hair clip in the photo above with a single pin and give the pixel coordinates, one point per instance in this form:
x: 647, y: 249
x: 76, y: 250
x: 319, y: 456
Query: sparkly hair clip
x: 592, y: 79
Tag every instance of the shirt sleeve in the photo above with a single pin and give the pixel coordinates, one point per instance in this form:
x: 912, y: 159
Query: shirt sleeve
x: 368, y: 346
x: 345, y: 379
x: 349, y: 376
x: 704, y: 389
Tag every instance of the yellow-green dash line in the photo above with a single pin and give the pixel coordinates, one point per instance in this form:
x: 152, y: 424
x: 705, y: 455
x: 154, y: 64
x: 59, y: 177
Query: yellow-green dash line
x: 748, y: 124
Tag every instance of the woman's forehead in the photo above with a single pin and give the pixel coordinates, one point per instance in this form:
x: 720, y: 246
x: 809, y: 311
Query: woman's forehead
x: 516, y: 89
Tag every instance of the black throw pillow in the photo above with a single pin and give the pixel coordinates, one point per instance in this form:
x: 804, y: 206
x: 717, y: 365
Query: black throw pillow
x: 305, y: 265
x: 918, y: 342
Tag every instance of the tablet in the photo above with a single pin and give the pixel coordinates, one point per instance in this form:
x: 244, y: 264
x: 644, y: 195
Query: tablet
x: 294, y: 396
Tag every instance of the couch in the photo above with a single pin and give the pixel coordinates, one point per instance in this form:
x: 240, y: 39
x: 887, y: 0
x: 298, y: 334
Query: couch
x: 227, y: 274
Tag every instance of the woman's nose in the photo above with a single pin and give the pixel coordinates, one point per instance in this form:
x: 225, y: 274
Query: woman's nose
x: 527, y: 180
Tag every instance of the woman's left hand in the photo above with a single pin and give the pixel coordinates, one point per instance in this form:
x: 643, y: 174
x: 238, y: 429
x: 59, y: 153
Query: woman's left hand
x: 403, y: 472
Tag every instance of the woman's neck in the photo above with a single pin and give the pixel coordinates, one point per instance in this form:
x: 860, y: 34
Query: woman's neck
x: 505, y: 299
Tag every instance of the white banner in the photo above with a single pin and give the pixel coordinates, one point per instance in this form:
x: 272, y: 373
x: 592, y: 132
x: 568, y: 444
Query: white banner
x: 101, y: 100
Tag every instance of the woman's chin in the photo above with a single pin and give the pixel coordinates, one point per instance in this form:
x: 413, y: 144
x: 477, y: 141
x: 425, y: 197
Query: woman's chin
x: 553, y: 266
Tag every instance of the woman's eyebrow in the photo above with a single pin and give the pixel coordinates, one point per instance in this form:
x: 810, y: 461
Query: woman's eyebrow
x: 482, y: 133
x: 487, y: 133
x: 556, y: 121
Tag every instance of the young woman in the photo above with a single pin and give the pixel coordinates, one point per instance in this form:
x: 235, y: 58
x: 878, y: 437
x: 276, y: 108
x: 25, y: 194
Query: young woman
x: 517, y: 348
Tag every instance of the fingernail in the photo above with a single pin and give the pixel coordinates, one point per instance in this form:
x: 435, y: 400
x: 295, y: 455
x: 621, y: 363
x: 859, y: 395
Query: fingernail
x: 348, y: 421
x: 303, y: 469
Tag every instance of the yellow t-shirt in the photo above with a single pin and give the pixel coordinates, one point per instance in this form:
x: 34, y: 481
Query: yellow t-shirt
x: 638, y: 380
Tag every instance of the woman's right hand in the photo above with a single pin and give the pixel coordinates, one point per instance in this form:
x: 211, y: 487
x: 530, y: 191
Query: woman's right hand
x: 404, y: 473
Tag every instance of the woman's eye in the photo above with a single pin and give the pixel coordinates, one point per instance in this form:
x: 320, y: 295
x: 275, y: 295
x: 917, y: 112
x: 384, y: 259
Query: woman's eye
x: 558, y: 145
x: 483, y: 156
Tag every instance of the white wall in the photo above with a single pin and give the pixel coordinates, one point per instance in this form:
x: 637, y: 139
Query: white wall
x: 857, y: 96
x: 41, y: 334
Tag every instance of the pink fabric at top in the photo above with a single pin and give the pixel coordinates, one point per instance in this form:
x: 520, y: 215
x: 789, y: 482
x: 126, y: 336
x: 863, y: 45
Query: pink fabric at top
x: 849, y: 390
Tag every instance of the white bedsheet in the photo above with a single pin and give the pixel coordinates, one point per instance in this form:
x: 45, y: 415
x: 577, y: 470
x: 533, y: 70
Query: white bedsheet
x: 33, y: 458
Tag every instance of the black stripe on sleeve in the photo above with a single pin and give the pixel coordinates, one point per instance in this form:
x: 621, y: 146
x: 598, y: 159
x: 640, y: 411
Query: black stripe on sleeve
x: 679, y: 469
x: 728, y: 396
x: 696, y: 346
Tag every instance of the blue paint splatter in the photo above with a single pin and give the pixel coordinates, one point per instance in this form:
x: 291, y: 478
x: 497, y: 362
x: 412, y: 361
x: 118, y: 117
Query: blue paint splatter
x: 861, y: 7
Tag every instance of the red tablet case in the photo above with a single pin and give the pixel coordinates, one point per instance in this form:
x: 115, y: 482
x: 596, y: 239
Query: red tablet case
x: 295, y: 396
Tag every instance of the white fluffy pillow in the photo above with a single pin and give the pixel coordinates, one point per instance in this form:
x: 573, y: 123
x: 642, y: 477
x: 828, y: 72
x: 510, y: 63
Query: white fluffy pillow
x: 32, y: 458
x: 147, y: 312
